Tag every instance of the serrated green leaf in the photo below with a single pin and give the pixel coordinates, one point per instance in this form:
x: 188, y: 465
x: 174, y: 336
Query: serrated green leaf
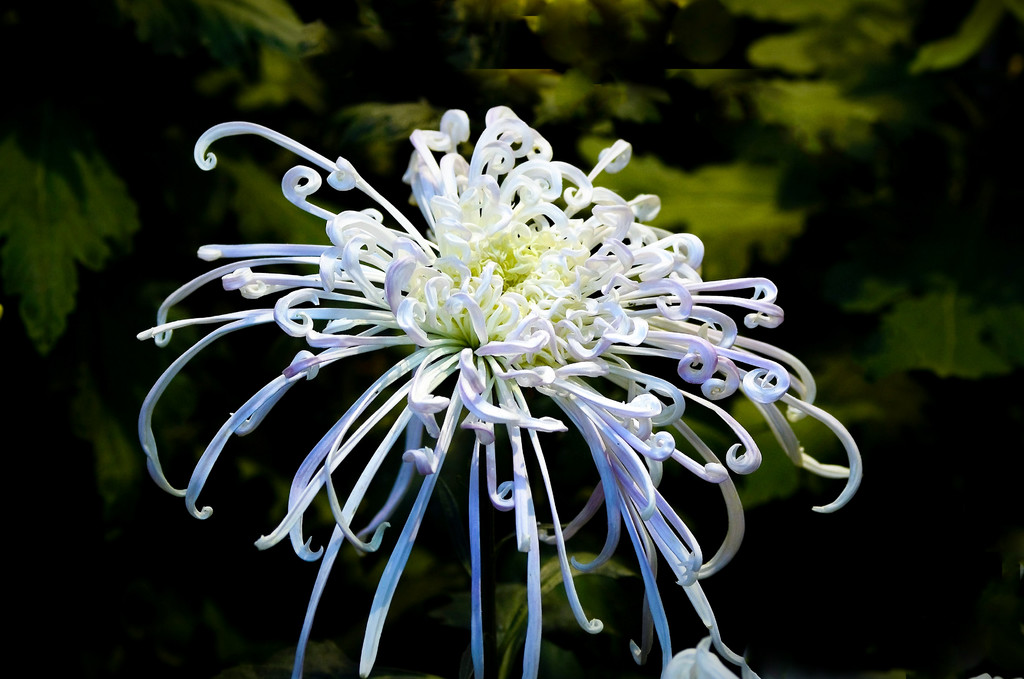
x: 562, y: 97
x: 732, y: 208
x: 380, y: 127
x: 513, y: 84
x: 514, y: 635
x: 962, y: 45
x: 842, y: 46
x: 1006, y: 325
x: 711, y: 77
x: 790, y: 52
x: 513, y: 619
x: 563, y: 23
x: 558, y: 662
x: 228, y: 29
x: 819, y: 115
x: 488, y: 10
x: 631, y: 102
x: 58, y: 209
x: 949, y: 334
x: 118, y: 462
x: 282, y: 79
x: 322, y: 659
x: 856, y: 292
x: 790, y: 11
x: 573, y: 94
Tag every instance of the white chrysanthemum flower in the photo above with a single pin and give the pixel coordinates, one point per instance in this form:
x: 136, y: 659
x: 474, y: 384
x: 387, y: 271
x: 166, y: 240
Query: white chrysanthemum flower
x: 699, y: 663
x: 527, y: 280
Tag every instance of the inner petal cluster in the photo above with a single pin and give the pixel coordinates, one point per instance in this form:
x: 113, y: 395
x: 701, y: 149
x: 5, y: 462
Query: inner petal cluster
x: 533, y: 262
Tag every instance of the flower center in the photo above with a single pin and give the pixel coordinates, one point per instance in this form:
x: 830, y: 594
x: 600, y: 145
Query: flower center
x: 533, y: 264
x: 501, y: 266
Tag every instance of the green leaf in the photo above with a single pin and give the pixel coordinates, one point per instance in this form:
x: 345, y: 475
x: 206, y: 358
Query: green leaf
x: 282, y: 79
x: 1006, y: 329
x: 878, y: 407
x: 574, y: 95
x: 777, y: 477
x: 59, y: 207
x: 322, y: 659
x: 264, y: 215
x: 118, y: 460
x: 790, y: 11
x: 631, y: 102
x: 558, y: 662
x: 951, y: 335
x: 732, y: 208
x: 563, y: 96
x: 513, y: 619
x: 856, y: 292
x: 578, y: 31
x: 1015, y: 6
x: 842, y: 46
x: 711, y: 77
x: 962, y: 45
x: 819, y: 115
x: 228, y: 29
x: 381, y: 128
x: 791, y: 52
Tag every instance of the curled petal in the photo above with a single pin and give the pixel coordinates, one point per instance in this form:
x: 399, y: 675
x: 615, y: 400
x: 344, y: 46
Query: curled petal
x: 484, y: 430
x: 421, y: 401
x: 853, y: 473
x: 764, y: 386
x: 612, y: 159
x: 298, y: 184
x: 344, y: 177
x: 716, y: 388
x: 424, y: 459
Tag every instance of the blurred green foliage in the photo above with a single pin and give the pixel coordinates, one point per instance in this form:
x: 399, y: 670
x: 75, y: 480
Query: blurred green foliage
x: 864, y: 154
x: 61, y: 205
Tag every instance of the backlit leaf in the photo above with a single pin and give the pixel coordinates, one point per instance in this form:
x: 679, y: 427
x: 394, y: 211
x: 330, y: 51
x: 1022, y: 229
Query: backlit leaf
x: 282, y: 79
x: 791, y: 52
x: 951, y: 335
x: 264, y: 215
x: 789, y: 10
x: 962, y: 45
x: 61, y: 207
x: 381, y: 128
x: 568, y: 96
x: 563, y: 96
x: 228, y: 29
x: 711, y: 77
x: 842, y: 46
x: 513, y: 618
x: 819, y: 115
x: 118, y: 463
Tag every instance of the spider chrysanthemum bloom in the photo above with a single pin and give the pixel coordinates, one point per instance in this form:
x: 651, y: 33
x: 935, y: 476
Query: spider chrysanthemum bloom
x: 525, y: 281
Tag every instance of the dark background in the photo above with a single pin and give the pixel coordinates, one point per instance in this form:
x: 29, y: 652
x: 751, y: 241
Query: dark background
x: 863, y: 154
